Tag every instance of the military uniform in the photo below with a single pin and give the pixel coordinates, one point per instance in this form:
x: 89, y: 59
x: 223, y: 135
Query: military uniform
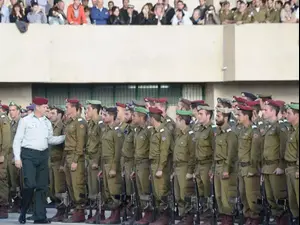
x: 273, y: 16
x: 245, y: 17
x: 259, y: 16
x: 76, y: 131
x: 225, y: 159
x: 5, y: 146
x: 226, y: 16
x: 184, y: 165
x: 292, y: 160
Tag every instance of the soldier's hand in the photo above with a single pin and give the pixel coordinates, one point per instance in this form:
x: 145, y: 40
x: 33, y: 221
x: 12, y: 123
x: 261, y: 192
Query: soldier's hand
x: 225, y: 175
x: 18, y: 164
x: 188, y: 176
x: 250, y: 174
x: 73, y: 166
x: 279, y: 171
x: 158, y: 174
x: 95, y: 166
x: 2, y: 159
x: 297, y: 175
x: 112, y: 173
x: 132, y: 175
x: 61, y: 169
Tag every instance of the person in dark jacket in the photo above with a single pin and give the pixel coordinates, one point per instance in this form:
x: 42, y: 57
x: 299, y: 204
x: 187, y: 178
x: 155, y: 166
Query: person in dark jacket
x: 17, y: 14
x: 132, y: 16
x: 115, y: 19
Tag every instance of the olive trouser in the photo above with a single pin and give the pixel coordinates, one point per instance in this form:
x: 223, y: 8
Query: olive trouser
x: 275, y: 186
x: 203, y: 179
x: 36, y: 178
x: 293, y: 190
x: 92, y: 180
x: 75, y: 180
x: 184, y: 189
x: 161, y: 186
x: 249, y: 188
x: 142, y: 181
x: 127, y: 164
x: 112, y: 185
x: 13, y: 176
x: 57, y: 180
x: 4, y: 190
x: 225, y: 190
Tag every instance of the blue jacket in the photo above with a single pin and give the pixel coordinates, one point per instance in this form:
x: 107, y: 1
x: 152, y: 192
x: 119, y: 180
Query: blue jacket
x: 98, y: 16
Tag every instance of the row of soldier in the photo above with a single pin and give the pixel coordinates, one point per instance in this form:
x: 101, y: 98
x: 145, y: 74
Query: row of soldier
x: 137, y: 159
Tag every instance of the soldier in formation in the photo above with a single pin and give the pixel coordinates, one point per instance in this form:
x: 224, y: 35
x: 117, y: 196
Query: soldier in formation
x: 136, y: 162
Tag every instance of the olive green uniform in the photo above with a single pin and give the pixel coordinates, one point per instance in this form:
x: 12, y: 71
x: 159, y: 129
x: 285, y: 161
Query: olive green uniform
x: 5, y: 145
x: 226, y: 16
x: 204, y: 154
x: 112, y: 140
x: 57, y: 177
x: 273, y: 16
x: 93, y: 153
x: 127, y: 157
x: 184, y: 163
x: 273, y: 157
x: 160, y: 144
x: 225, y: 159
x: 13, y: 173
x: 249, y: 157
x: 76, y: 132
x: 243, y: 17
x: 142, y: 163
x: 292, y: 160
x: 259, y: 16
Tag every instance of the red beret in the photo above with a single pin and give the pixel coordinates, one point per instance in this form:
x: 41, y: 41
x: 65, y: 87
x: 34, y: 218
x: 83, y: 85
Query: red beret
x: 240, y: 99
x: 272, y: 103
x: 5, y: 107
x: 155, y: 110
x: 252, y: 103
x: 244, y: 108
x: 185, y: 101
x: 161, y: 100
x: 40, y: 101
x: 121, y: 105
x: 198, y: 102
x: 280, y: 103
x: 149, y: 99
x: 72, y: 100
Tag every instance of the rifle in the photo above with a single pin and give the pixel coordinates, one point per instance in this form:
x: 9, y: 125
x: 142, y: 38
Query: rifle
x: 99, y: 197
x: 263, y: 201
x: 213, y: 203
x: 239, y: 206
x: 152, y: 197
x: 198, y: 202
x: 66, y: 201
x: 124, y: 196
x: 136, y: 199
x: 286, y: 208
x: 172, y: 201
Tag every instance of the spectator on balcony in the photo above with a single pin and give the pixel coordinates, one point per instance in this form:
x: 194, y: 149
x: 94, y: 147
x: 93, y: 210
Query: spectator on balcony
x: 180, y: 18
x: 146, y: 15
x: 259, y: 12
x: 17, y: 14
x: 110, y: 5
x: 132, y: 18
x: 56, y: 14
x: 23, y: 8
x: 10, y: 7
x: 99, y: 14
x: 4, y: 12
x: 85, y: 3
x: 226, y: 14
x: 274, y: 10
x: 196, y: 18
x: 286, y: 15
x: 243, y: 16
x: 294, y: 5
x: 75, y: 14
x: 159, y: 18
x: 37, y: 14
x: 203, y: 8
x: 183, y: 7
x: 115, y: 19
x: 87, y: 13
x: 211, y: 16
x: 123, y: 10
x: 169, y: 12
x: 237, y: 7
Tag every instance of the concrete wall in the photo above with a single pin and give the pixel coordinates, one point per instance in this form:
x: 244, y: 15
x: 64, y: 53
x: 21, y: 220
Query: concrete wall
x: 123, y: 54
x: 19, y: 93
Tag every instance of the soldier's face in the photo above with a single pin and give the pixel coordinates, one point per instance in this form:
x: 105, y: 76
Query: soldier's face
x: 42, y: 109
x: 89, y: 111
x: 202, y: 117
x: 127, y: 116
x: 292, y: 117
x: 240, y: 117
x: 178, y: 121
x: 53, y: 116
x: 267, y: 112
x: 220, y: 119
x: 13, y: 111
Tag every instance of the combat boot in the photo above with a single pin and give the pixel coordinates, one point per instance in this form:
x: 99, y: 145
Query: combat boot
x: 77, y: 217
x: 284, y: 220
x: 3, y: 212
x: 93, y: 220
x: 145, y: 220
x: 114, y: 217
x: 59, y: 216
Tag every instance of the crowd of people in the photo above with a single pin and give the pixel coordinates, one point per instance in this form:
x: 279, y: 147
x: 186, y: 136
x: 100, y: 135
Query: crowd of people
x: 136, y: 149
x: 162, y: 13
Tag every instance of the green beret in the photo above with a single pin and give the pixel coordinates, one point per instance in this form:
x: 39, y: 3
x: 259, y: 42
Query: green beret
x: 12, y: 103
x: 184, y: 113
x: 141, y: 110
x: 93, y: 102
x: 203, y: 107
x: 293, y: 106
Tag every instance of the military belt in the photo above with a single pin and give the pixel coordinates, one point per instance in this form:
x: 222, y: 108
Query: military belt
x: 244, y: 164
x: 271, y: 162
x: 203, y: 162
x: 179, y: 164
x: 219, y: 161
x: 290, y: 164
x: 139, y: 161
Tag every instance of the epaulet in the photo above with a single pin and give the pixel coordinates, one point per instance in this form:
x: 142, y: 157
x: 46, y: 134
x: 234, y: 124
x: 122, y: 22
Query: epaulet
x: 161, y: 130
x: 168, y: 120
x: 285, y: 120
x: 191, y: 132
x: 149, y: 127
x: 135, y: 129
x: 260, y: 122
x: 79, y: 119
x: 254, y: 126
x: 228, y: 130
x: 280, y: 121
x: 117, y: 128
x: 214, y: 126
x: 2, y: 116
x: 100, y: 122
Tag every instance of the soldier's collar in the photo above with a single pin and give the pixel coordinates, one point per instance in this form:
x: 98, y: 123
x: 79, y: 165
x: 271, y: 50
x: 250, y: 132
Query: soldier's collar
x: 225, y: 127
x: 75, y: 117
x: 57, y: 123
x: 96, y: 121
x: 161, y: 126
x: 186, y: 130
x: 207, y: 125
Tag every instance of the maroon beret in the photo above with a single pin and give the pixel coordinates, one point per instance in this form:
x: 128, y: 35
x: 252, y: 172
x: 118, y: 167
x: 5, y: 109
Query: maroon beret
x: 239, y: 99
x: 198, y: 102
x: 72, y: 100
x: 280, y: 102
x: 161, y: 100
x: 5, y: 107
x: 121, y: 105
x: 155, y: 110
x: 149, y: 99
x: 252, y: 103
x: 272, y: 103
x: 244, y: 108
x: 40, y: 101
x: 185, y: 101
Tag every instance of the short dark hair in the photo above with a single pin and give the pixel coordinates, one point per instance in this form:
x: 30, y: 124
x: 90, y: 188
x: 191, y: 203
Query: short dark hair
x: 143, y: 115
x: 156, y: 117
x: 187, y: 119
x: 247, y: 113
x: 97, y: 107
